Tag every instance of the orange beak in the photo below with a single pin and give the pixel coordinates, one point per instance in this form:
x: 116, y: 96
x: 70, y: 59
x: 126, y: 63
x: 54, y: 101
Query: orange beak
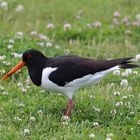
x: 12, y: 71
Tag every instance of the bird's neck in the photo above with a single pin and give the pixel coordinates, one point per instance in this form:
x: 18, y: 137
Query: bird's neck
x: 35, y: 72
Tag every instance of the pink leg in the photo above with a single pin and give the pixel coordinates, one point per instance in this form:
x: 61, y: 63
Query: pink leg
x: 69, y: 108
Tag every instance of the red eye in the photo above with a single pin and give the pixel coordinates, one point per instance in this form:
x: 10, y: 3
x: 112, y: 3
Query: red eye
x: 29, y: 56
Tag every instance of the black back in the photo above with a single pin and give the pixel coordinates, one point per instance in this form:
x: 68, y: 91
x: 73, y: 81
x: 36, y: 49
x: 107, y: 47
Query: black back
x: 73, y: 67
x: 69, y: 68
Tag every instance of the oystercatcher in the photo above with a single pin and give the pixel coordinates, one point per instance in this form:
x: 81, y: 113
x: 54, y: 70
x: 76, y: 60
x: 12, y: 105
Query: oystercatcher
x: 66, y: 74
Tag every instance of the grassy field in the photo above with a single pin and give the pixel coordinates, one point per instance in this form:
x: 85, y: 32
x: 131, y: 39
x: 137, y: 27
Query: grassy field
x: 101, y: 29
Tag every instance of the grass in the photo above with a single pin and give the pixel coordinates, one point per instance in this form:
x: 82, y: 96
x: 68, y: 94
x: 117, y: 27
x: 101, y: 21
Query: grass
x: 27, y: 112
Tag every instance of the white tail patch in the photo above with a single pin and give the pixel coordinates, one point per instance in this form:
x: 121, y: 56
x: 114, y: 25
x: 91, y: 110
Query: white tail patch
x: 90, y: 78
x: 72, y: 86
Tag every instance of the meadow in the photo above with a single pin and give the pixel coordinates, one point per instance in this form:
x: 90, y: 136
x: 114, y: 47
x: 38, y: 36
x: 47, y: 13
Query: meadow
x: 99, y: 29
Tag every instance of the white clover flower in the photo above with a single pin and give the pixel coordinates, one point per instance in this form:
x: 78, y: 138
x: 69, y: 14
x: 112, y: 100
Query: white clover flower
x: 17, y: 119
x: 19, y: 35
x: 42, y: 91
x: 127, y: 117
x: 21, y: 105
x: 42, y: 37
x: 32, y: 119
x: 121, y: 114
x: 6, y: 63
x: 77, y: 16
x: 137, y: 57
x: 50, y: 26
x: 19, y: 71
x: 127, y: 32
x: 127, y: 104
x: 27, y: 87
x: 57, y: 47
x: 19, y: 84
x: 112, y: 84
x: 96, y: 109
x: 124, y: 97
x: 95, y: 124
x: 116, y: 14
x: 19, y: 8
x: 49, y: 44
x: 42, y: 44
x: 33, y: 33
x: 11, y: 41
x: 89, y: 25
x: 108, y: 138
x: 2, y: 71
x: 132, y: 113
x: 116, y: 72
x: 117, y: 93
x: 135, y: 23
x: 16, y: 55
x: 28, y: 80
x: 1, y: 87
x: 67, y: 52
x: 115, y: 21
x: 129, y: 89
x: 39, y: 112
x: 26, y: 131
x: 135, y: 72
x: 65, y: 118
x: 129, y: 71
x: 138, y: 122
x: 65, y: 123
x: 5, y: 93
x: 96, y: 24
x: 9, y: 46
x: 91, y: 136
x: 119, y: 104
x: 124, y: 82
x: 109, y: 135
x: 4, y: 5
x: 2, y: 57
x: 131, y: 96
x: 125, y: 20
x: 92, y: 97
x: 125, y: 74
x: 23, y: 89
x: 67, y: 26
x: 138, y: 17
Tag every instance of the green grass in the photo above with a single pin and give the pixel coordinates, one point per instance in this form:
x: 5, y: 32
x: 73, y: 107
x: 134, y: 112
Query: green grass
x: 92, y: 104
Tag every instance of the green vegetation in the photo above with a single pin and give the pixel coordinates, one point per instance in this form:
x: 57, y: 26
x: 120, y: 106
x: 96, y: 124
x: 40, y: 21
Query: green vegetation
x: 100, y: 29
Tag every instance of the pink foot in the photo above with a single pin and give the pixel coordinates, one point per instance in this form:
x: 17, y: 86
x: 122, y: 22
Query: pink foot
x: 68, y: 111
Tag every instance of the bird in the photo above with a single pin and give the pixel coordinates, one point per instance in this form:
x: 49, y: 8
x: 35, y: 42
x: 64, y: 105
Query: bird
x: 67, y: 73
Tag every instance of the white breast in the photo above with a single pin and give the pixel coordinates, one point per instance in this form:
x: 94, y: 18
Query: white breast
x: 50, y: 86
x: 72, y: 86
x: 46, y: 83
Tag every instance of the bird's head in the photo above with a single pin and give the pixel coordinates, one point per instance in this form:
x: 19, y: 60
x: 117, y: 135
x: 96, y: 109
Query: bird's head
x: 29, y: 58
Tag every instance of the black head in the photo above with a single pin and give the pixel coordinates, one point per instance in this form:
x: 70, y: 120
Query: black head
x: 35, y: 62
x: 32, y: 56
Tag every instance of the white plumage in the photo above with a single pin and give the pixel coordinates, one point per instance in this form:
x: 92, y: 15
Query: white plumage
x: 74, y: 85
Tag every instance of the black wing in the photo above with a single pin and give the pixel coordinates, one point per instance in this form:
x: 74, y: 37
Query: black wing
x: 73, y: 67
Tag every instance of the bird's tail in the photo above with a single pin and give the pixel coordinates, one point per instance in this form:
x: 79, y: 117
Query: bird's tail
x: 126, y: 63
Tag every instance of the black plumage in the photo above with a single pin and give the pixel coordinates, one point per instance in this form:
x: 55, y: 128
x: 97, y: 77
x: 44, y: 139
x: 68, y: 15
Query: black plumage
x: 69, y: 68
x: 66, y: 74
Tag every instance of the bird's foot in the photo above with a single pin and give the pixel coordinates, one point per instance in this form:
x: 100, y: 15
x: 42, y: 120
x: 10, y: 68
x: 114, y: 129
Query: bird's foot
x: 64, y: 110
x: 67, y: 112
